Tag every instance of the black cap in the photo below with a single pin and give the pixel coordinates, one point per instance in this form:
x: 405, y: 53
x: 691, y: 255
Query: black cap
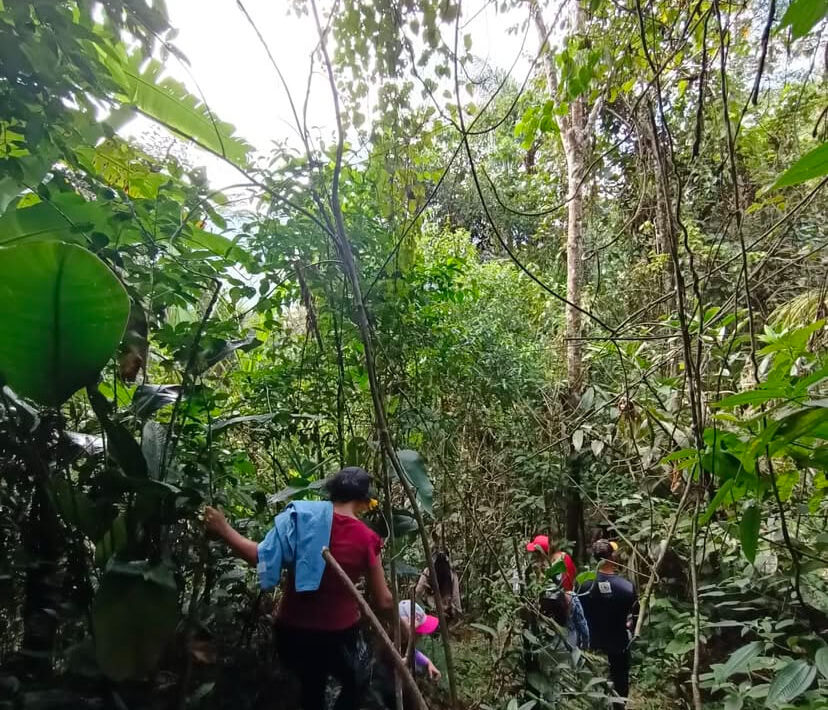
x: 602, y: 550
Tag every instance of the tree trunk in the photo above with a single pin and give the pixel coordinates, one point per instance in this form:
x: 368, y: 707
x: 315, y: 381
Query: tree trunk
x: 572, y: 127
x: 574, y: 152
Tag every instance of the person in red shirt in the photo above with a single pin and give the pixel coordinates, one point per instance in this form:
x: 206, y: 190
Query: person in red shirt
x: 546, y: 554
x: 317, y: 633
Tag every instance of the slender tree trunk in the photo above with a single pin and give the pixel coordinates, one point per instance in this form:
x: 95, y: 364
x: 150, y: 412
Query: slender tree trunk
x: 574, y: 143
x: 573, y: 127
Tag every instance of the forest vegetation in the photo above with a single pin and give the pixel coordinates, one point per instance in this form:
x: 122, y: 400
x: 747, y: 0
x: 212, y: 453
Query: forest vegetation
x: 587, y: 298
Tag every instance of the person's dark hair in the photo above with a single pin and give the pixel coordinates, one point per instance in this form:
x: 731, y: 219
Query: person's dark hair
x: 442, y: 567
x: 556, y: 605
x: 602, y: 550
x: 349, y: 484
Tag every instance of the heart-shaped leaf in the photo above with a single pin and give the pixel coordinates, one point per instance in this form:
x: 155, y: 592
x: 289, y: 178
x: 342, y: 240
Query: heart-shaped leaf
x: 62, y: 315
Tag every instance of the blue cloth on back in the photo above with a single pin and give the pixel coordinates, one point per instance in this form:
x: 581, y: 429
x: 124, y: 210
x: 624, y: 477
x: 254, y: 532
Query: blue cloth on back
x: 296, y: 540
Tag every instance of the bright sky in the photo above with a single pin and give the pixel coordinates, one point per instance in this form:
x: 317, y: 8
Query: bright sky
x: 235, y: 76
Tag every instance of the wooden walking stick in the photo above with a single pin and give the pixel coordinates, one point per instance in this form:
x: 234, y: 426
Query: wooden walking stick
x: 398, y: 660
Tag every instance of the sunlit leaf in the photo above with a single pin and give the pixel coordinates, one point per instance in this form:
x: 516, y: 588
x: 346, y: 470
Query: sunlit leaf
x: 802, y: 15
x: 65, y: 217
x: 813, y: 164
x: 169, y: 103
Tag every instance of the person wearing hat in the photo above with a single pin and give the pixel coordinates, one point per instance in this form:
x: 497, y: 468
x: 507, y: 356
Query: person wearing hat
x: 610, y: 603
x: 424, y: 624
x: 546, y: 554
x: 317, y: 624
x: 382, y: 682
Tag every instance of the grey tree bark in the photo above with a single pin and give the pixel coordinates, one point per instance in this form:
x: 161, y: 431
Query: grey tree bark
x: 573, y: 130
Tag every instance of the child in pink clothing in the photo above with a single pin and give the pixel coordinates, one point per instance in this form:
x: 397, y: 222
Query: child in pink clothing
x: 423, y: 624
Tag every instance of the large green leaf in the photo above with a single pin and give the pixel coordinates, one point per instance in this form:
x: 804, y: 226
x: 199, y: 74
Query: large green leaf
x: 33, y: 168
x: 217, y: 244
x: 417, y: 476
x: 806, y: 423
x: 812, y: 165
x: 802, y: 15
x: 168, y: 102
x: 299, y: 489
x: 65, y: 217
x: 789, y: 683
x: 720, y: 463
x: 403, y: 521
x: 739, y: 660
x: 749, y: 531
x: 134, y: 616
x: 62, y: 314
x: 821, y: 660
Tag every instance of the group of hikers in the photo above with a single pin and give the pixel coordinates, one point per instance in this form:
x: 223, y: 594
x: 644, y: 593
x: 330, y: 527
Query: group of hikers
x: 598, y: 614
x: 317, y: 626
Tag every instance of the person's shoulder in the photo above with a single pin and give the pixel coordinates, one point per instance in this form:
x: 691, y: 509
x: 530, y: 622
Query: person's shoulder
x: 624, y: 584
x: 355, y: 531
x: 367, y: 533
x: 354, y: 525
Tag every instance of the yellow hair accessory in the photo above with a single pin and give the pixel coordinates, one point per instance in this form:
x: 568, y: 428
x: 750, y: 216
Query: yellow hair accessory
x: 373, y: 504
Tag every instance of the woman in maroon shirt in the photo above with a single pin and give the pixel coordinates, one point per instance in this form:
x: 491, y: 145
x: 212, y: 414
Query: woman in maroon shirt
x: 317, y: 632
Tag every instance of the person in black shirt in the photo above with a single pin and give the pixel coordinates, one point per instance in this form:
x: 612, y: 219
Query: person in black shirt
x: 610, y: 604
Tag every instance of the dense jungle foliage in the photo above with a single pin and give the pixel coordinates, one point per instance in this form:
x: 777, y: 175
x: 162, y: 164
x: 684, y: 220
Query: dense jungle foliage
x: 583, y: 299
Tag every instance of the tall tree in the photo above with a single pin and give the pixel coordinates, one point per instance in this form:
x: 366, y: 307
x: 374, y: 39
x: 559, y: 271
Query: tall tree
x: 573, y: 126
